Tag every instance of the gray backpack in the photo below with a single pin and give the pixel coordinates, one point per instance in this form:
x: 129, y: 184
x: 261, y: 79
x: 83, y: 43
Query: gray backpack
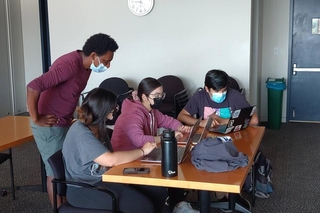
x: 263, y: 175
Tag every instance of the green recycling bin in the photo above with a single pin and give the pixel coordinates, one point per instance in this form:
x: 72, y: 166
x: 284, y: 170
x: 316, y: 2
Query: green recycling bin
x: 275, y: 93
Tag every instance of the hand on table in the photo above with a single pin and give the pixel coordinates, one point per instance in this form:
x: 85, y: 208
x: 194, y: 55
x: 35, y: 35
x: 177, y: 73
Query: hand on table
x: 148, y: 147
x: 214, y: 123
x: 178, y: 134
x: 215, y: 120
x: 184, y: 129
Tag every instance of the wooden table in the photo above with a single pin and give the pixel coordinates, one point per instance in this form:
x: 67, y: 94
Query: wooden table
x: 189, y: 177
x: 14, y: 131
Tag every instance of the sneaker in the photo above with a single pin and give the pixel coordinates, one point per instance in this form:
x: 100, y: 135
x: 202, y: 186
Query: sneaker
x: 184, y: 207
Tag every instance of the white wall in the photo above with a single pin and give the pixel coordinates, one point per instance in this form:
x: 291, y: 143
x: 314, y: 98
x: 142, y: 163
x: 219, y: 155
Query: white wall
x: 31, y: 38
x: 182, y: 37
x: 12, y: 74
x: 275, y: 35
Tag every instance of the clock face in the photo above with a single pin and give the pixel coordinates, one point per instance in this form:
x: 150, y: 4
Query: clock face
x: 140, y: 7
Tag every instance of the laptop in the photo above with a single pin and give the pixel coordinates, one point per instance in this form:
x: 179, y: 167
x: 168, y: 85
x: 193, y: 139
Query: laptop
x: 199, y: 136
x: 182, y: 151
x: 240, y: 119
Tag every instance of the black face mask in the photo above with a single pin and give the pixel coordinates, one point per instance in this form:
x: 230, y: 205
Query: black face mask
x: 157, y: 103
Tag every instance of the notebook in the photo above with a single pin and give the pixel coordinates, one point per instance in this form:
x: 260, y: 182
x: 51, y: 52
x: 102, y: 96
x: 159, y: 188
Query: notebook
x: 182, y: 151
x: 240, y: 119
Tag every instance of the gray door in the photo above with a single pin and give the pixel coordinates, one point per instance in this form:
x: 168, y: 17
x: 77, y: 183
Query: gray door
x: 304, y: 94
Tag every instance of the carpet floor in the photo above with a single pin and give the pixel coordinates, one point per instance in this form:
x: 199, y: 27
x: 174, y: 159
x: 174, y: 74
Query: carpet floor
x: 293, y: 151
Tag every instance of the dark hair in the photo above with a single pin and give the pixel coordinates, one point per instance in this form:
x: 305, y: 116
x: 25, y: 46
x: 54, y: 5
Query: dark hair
x: 94, y: 110
x: 99, y: 43
x: 147, y: 85
x: 216, y: 79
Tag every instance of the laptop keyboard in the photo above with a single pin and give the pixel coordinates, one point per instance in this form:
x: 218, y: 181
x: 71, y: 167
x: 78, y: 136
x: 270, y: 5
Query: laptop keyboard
x: 180, y: 152
x: 196, y: 138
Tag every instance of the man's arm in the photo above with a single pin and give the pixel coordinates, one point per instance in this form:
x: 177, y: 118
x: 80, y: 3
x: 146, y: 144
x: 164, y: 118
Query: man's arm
x: 32, y: 102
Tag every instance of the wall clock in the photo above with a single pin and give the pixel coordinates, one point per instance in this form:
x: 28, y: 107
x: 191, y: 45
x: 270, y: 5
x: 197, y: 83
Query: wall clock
x: 140, y: 7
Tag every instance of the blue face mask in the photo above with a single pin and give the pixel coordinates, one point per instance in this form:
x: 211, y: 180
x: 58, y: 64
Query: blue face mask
x: 219, y: 97
x: 99, y: 68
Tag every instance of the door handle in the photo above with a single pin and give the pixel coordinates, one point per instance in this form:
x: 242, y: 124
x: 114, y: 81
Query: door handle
x: 303, y: 69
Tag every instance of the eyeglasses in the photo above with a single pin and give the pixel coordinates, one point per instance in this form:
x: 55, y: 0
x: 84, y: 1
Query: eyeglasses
x: 158, y: 96
x: 115, y: 109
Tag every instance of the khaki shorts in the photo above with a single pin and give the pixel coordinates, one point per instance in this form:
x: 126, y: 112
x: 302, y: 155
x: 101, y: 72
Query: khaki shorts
x: 49, y: 140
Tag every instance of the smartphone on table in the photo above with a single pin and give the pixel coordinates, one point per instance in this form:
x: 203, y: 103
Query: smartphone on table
x: 136, y: 170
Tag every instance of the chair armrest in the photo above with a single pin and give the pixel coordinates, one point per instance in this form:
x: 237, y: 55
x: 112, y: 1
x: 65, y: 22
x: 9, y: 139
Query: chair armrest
x: 83, y: 95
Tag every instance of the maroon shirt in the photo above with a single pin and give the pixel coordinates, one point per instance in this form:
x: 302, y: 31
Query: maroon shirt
x: 61, y: 86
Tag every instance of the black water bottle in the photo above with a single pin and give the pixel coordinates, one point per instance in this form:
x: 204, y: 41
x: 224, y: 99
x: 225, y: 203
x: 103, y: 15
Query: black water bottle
x: 169, y: 164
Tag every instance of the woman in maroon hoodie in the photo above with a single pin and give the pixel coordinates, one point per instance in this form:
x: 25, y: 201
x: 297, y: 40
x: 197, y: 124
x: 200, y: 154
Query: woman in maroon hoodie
x: 138, y: 124
x: 140, y: 118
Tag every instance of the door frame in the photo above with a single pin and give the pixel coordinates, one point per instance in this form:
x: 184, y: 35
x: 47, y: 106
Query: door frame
x: 45, y: 35
x: 289, y: 75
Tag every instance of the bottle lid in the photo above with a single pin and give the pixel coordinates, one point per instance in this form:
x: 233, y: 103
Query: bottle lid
x: 168, y: 133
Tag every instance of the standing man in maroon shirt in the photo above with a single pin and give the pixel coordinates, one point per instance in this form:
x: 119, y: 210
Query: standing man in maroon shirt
x: 53, y: 97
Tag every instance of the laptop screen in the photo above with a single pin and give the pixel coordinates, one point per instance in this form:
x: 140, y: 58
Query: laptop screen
x: 189, y: 142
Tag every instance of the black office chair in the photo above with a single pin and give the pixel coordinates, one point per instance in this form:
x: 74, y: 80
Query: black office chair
x: 232, y: 83
x: 172, y: 85
x: 60, y: 189
x: 121, y: 89
x: 195, y: 91
x: 3, y: 158
x: 180, y: 100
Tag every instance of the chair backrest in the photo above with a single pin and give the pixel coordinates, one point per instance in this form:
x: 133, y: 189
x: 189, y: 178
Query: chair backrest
x: 232, y: 83
x: 180, y: 100
x: 171, y: 86
x: 116, y: 85
x: 57, y: 165
x: 121, y: 89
